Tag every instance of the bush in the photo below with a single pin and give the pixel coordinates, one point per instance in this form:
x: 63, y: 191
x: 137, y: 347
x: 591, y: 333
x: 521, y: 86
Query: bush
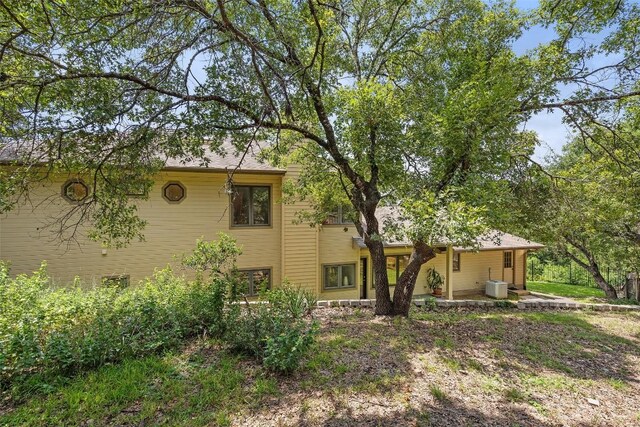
x: 291, y: 301
x: 624, y: 301
x: 46, y: 332
x: 273, y: 330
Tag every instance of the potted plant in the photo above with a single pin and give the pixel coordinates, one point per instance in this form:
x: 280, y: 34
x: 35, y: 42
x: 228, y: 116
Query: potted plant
x: 434, y: 282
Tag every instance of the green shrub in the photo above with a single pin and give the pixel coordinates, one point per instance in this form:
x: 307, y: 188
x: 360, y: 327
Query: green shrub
x: 503, y: 304
x: 273, y: 330
x: 624, y: 301
x: 47, y: 334
x: 292, y: 301
x: 284, y: 351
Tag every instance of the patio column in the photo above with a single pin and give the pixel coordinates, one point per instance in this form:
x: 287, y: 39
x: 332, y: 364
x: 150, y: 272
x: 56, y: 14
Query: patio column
x: 449, y: 274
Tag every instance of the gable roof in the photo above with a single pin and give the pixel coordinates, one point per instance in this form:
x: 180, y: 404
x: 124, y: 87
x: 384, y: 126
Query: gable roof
x: 493, y: 240
x: 226, y: 158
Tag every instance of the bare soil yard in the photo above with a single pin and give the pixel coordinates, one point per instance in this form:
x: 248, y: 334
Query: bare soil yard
x: 484, y: 368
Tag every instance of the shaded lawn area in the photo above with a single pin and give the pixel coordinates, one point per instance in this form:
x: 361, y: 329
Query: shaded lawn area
x: 500, y: 368
x: 565, y: 290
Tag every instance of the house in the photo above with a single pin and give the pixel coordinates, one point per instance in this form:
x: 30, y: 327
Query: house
x: 190, y: 201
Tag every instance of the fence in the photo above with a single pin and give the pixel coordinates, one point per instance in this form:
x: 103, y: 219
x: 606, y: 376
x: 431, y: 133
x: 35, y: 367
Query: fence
x: 571, y: 273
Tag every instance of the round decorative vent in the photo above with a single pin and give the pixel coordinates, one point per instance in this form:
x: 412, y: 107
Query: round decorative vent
x: 174, y: 192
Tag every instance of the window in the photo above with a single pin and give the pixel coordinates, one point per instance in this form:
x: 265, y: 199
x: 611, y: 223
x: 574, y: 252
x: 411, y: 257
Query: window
x: 396, y: 264
x: 508, y: 259
x: 339, y: 276
x: 251, y: 205
x: 256, y: 280
x: 75, y: 190
x: 174, y: 192
x: 116, y: 281
x: 343, y: 215
x: 456, y: 261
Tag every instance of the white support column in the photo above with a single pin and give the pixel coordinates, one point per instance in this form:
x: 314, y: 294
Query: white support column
x: 449, y: 275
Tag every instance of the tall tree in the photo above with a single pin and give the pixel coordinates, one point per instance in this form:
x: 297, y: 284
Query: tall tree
x: 418, y: 103
x: 587, y: 206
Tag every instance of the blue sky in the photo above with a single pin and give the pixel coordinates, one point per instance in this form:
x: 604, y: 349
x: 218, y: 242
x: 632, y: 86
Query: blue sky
x: 552, y: 131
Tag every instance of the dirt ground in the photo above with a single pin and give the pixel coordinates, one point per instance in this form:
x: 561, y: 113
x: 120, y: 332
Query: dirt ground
x: 463, y: 368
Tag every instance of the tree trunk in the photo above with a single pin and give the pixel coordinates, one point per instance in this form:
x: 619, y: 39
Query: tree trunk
x: 602, y: 283
x: 373, y: 240
x: 380, y: 278
x: 591, y: 266
x: 421, y: 254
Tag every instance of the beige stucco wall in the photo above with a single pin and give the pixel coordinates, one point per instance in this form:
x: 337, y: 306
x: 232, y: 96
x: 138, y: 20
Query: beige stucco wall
x: 439, y: 263
x: 172, y: 230
x: 474, y: 271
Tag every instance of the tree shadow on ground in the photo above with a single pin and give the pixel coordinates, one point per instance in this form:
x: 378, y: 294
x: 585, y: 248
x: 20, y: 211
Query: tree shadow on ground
x: 368, y: 370
x: 446, y: 413
x: 553, y: 341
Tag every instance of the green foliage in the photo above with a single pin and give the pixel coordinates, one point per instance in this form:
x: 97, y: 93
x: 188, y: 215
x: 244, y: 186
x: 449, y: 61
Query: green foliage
x: 625, y: 301
x: 504, y: 304
x: 273, y: 329
x: 294, y: 301
x: 430, y: 303
x: 434, y: 279
x: 590, y: 210
x: 46, y: 332
x: 435, y: 219
x: 284, y: 351
x: 216, y: 256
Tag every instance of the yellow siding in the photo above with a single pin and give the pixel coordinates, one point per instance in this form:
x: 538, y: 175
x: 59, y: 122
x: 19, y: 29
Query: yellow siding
x: 293, y: 251
x: 300, y: 249
x: 172, y: 230
x: 474, y: 271
x: 336, y: 247
x: 521, y: 267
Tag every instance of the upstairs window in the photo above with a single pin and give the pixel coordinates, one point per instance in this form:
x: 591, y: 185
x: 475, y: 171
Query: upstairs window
x: 251, y: 205
x: 344, y: 214
x: 75, y: 190
x: 174, y: 192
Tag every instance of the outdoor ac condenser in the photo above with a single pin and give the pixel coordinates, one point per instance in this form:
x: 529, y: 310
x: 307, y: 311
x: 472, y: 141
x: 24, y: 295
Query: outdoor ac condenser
x: 496, y: 289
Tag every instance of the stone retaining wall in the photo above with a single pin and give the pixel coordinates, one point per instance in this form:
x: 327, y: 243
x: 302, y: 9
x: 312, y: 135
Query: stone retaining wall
x: 522, y: 305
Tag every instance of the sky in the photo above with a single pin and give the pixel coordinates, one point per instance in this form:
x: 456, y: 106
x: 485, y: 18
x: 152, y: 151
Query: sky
x: 553, y: 133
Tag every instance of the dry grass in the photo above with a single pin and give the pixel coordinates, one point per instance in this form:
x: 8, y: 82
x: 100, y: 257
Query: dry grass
x: 500, y: 368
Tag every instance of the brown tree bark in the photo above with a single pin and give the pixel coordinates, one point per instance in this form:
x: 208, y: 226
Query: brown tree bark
x: 421, y: 254
x: 591, y: 266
